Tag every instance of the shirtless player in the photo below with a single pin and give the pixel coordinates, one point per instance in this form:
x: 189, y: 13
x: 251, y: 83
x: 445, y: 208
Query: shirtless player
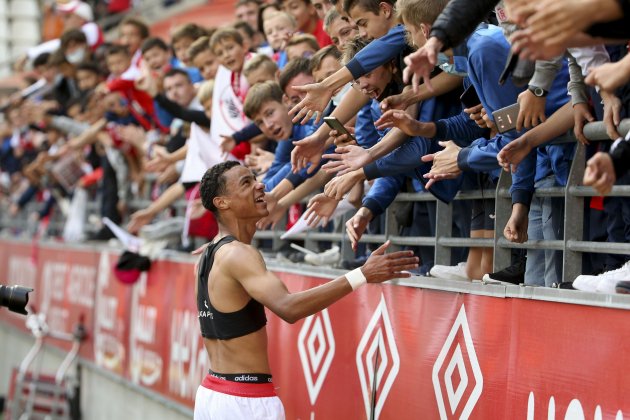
x: 234, y: 286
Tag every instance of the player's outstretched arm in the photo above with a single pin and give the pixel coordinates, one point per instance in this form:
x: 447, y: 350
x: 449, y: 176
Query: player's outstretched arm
x: 262, y: 285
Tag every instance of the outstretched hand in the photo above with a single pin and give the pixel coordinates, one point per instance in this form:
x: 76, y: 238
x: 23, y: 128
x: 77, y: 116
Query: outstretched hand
x: 341, y: 185
x: 401, y: 120
x: 320, y: 209
x: 381, y: 267
x: 356, y: 226
x: 308, y: 150
x: 556, y: 22
x: 315, y: 101
x: 513, y: 153
x: 227, y: 143
x: 398, y: 101
x: 421, y: 63
x: 139, y: 219
x: 346, y: 159
x: 160, y: 161
x: 444, y: 163
x: 259, y: 160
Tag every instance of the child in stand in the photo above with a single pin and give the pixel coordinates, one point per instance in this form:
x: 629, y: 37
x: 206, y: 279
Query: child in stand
x: 279, y: 27
x: 230, y: 87
x: 307, y: 19
x: 203, y: 58
x: 301, y: 45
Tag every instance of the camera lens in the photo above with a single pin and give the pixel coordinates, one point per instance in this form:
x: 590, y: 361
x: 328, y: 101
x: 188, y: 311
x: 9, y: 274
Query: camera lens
x: 15, y: 298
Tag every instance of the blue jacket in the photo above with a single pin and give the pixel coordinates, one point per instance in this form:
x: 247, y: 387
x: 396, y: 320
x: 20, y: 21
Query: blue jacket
x: 383, y: 192
x: 283, y: 156
x: 486, y: 50
x: 365, y: 132
x: 391, y: 46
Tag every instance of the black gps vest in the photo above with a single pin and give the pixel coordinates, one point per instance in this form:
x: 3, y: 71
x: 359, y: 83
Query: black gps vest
x: 224, y: 325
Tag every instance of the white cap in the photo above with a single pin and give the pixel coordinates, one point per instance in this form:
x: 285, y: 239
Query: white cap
x: 78, y: 8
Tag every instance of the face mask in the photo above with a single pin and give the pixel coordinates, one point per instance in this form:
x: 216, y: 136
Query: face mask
x: 76, y: 57
x: 444, y: 63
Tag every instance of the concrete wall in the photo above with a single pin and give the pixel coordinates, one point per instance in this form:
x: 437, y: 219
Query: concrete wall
x: 103, y: 396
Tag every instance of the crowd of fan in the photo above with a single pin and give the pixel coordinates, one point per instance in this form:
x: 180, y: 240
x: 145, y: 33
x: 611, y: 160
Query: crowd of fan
x: 414, y: 83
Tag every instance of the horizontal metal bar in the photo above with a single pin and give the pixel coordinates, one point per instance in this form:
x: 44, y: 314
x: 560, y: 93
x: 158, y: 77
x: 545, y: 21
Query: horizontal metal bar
x: 373, y: 239
x: 599, y: 247
x: 617, y: 191
x: 467, y: 242
x: 555, y: 245
x: 597, y: 130
x: 462, y: 195
x: 539, y: 192
x: 316, y: 236
x: 413, y: 240
x: 405, y: 197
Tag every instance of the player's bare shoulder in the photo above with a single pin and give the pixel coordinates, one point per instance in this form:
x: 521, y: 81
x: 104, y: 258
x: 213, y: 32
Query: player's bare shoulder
x: 237, y: 256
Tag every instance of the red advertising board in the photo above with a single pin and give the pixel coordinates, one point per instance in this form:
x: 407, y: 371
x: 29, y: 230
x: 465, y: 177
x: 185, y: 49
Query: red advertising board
x: 385, y: 351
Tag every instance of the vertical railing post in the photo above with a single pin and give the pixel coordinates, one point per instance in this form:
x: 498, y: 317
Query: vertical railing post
x: 573, y: 217
x: 347, y: 253
x: 443, y: 229
x: 502, y: 212
x: 391, y: 226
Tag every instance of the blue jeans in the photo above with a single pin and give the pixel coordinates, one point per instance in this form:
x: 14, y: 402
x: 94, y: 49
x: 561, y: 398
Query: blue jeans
x: 546, y: 221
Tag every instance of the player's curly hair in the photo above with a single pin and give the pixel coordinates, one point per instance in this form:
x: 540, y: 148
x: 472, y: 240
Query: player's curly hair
x: 213, y: 184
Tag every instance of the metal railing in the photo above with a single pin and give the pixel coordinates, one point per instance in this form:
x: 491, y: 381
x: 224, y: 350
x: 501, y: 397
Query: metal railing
x: 572, y: 244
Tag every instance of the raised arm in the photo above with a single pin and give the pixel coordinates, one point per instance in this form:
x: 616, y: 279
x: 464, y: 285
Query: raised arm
x: 265, y: 287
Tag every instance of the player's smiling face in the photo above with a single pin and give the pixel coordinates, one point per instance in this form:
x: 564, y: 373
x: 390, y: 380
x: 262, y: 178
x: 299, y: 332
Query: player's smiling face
x: 246, y: 196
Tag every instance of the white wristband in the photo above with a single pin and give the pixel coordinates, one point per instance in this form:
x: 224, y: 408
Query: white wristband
x: 356, y: 278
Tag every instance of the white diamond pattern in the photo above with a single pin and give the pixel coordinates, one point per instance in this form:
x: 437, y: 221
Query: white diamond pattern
x: 457, y: 361
x: 316, y: 346
x: 377, y: 344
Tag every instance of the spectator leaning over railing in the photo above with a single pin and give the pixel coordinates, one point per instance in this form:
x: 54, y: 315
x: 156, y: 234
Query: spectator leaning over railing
x: 144, y: 118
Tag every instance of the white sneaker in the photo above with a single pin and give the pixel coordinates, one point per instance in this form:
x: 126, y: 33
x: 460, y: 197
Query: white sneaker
x: 586, y: 283
x: 603, y: 283
x: 328, y: 257
x: 457, y: 272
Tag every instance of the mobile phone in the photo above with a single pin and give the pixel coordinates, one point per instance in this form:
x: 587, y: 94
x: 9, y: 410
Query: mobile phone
x: 505, y: 118
x: 336, y: 125
x: 469, y: 98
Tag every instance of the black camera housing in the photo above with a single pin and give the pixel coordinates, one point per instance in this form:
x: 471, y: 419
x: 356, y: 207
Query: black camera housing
x: 15, y: 298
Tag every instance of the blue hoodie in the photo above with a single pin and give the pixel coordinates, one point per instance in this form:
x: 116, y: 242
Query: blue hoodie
x: 487, y: 50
